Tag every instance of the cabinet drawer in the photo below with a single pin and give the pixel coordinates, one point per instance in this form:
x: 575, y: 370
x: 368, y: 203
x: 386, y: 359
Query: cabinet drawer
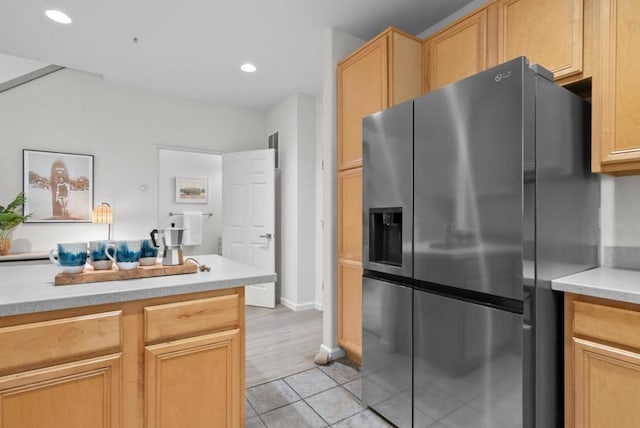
x: 607, y: 323
x: 48, y: 341
x: 173, y: 320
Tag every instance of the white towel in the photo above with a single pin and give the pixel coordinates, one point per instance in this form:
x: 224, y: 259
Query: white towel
x: 192, y: 223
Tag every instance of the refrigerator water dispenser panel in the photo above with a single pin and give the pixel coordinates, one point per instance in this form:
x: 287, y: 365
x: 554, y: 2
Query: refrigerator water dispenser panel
x: 385, y: 236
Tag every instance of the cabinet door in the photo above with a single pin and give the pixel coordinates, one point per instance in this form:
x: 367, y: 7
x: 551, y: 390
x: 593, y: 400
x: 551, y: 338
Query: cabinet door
x: 606, y: 386
x: 350, y: 214
x: 405, y: 79
x: 362, y: 90
x: 350, y: 308
x: 548, y: 32
x: 616, y: 88
x: 461, y: 50
x: 75, y: 395
x: 195, y: 382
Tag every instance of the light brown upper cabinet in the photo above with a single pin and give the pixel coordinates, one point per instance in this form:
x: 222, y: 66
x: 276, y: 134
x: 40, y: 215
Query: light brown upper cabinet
x: 616, y: 87
x: 382, y: 73
x: 553, y: 33
x: 462, y: 49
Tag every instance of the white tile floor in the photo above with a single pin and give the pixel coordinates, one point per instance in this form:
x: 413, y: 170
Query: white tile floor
x: 319, y: 397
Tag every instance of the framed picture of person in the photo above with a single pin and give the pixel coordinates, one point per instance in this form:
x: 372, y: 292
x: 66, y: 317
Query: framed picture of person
x: 58, y: 186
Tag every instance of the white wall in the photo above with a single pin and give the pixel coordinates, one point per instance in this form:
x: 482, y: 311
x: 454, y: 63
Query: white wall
x: 306, y: 233
x: 282, y: 119
x: 318, y: 201
x: 77, y: 112
x: 185, y: 163
x: 620, y: 211
x: 336, y: 46
x: 294, y: 120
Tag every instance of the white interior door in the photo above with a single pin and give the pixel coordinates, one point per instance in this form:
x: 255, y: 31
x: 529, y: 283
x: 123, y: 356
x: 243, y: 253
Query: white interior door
x: 248, y: 217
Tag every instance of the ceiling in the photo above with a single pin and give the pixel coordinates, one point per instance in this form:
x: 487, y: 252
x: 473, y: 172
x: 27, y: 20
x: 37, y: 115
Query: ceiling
x: 194, y: 48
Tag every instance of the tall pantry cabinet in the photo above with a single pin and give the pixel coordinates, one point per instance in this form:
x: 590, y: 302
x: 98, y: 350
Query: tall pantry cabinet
x: 385, y: 71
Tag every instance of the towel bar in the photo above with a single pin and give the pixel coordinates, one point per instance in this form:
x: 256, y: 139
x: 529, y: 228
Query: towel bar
x: 171, y: 214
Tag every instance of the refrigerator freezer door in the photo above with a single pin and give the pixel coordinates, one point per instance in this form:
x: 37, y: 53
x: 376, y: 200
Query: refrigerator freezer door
x: 386, y: 350
x: 468, y: 165
x: 468, y: 365
x: 387, y: 190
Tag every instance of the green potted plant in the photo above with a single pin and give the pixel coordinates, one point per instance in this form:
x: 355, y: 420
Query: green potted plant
x: 9, y: 219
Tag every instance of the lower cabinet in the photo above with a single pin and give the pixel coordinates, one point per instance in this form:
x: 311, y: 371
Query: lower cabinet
x: 196, y: 379
x: 80, y: 394
x: 607, y: 385
x: 350, y: 263
x: 602, y: 363
x: 167, y: 362
x: 350, y: 308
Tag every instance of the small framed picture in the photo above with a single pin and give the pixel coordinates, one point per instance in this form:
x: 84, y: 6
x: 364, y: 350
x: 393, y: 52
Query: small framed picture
x: 192, y: 190
x: 58, y: 187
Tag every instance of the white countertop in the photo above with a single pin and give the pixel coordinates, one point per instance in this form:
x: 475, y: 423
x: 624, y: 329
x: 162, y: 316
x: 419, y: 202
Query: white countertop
x: 29, y: 289
x: 603, y: 282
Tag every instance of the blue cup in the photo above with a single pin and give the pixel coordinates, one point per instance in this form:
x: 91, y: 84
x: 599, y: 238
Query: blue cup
x: 148, y: 253
x: 126, y: 254
x: 98, y: 255
x: 71, y: 257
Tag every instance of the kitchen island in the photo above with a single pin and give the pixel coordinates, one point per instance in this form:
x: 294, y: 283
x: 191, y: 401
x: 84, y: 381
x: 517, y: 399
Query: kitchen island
x: 165, y: 351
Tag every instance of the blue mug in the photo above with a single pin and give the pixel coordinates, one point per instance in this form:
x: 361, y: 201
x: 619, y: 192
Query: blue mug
x: 148, y: 253
x: 126, y: 254
x: 98, y: 255
x: 71, y: 257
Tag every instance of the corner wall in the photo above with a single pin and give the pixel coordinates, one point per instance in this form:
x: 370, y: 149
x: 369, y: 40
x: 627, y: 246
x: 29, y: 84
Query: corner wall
x: 319, y: 225
x: 294, y: 120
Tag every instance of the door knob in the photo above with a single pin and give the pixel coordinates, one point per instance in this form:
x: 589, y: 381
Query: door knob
x: 266, y: 236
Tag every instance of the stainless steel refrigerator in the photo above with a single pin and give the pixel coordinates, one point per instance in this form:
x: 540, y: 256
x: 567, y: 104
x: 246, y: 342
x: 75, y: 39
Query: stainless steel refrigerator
x: 475, y: 197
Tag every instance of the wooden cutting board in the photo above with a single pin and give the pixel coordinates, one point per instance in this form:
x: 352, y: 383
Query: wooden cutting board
x: 115, y: 274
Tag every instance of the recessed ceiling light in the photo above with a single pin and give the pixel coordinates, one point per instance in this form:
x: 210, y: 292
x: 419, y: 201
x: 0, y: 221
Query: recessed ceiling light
x: 248, y: 68
x: 58, y: 16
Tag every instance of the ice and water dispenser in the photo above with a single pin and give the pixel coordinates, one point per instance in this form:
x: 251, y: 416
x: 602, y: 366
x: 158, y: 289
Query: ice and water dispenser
x: 385, y: 236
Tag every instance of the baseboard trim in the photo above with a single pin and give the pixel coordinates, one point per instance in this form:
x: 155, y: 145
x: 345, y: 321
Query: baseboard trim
x: 296, y: 307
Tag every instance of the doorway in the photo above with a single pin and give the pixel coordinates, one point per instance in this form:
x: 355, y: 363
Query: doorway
x: 185, y: 163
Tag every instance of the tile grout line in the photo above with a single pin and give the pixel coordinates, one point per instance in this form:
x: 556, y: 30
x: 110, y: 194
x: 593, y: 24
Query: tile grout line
x: 273, y: 380
x: 305, y: 401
